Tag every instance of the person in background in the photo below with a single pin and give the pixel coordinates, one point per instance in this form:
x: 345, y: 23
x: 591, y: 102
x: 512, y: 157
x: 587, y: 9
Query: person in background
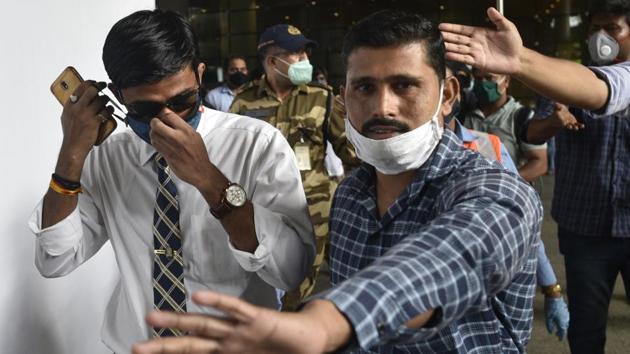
x: 592, y: 197
x: 490, y: 146
x: 305, y: 114
x: 236, y: 78
x: 320, y: 76
x: 500, y: 114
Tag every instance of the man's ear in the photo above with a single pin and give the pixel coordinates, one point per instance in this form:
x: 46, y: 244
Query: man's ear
x: 451, y: 92
x: 201, y: 68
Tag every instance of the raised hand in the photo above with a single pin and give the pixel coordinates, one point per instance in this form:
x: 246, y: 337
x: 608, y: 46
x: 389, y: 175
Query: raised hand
x: 494, y: 50
x: 246, y: 329
x: 184, y: 150
x: 83, y: 113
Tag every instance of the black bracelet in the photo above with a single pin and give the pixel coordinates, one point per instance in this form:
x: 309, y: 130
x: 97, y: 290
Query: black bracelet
x: 71, y: 185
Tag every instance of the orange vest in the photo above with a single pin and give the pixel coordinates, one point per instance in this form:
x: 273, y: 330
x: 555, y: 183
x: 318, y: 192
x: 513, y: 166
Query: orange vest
x: 488, y: 145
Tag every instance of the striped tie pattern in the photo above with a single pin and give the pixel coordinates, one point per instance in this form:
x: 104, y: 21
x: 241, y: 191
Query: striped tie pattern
x: 169, y: 293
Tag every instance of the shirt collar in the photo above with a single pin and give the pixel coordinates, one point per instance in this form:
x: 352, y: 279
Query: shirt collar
x: 226, y: 89
x: 463, y: 133
x: 442, y: 162
x: 508, y: 104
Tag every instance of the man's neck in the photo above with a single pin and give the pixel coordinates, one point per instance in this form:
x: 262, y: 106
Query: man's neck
x: 279, y: 86
x: 494, y: 107
x: 390, y: 187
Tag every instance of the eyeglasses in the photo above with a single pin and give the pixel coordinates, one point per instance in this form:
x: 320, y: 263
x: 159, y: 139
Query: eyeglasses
x: 146, y: 110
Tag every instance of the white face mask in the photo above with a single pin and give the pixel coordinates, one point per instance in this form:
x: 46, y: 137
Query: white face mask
x: 404, y: 152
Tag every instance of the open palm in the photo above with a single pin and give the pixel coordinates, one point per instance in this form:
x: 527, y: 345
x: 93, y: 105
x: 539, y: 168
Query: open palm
x: 246, y: 329
x: 494, y: 50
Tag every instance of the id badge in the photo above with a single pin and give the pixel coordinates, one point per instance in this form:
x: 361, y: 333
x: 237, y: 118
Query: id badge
x: 303, y: 156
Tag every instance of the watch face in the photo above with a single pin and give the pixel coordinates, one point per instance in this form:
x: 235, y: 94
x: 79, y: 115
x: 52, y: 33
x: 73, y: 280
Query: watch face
x: 235, y: 195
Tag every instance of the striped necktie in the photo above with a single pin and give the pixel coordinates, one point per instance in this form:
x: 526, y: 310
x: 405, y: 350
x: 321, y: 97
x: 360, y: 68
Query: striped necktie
x: 169, y: 293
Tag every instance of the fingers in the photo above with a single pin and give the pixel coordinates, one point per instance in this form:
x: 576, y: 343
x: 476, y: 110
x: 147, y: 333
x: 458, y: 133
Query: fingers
x: 462, y: 58
x: 231, y: 306
x: 177, y: 345
x: 162, y: 135
x: 561, y: 333
x: 454, y: 38
x: 455, y: 28
x: 173, y: 120
x: 201, y: 325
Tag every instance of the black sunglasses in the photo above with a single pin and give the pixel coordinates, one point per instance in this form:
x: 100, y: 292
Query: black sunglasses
x: 146, y: 110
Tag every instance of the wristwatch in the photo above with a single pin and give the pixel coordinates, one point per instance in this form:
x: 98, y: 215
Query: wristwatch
x: 232, y: 197
x: 552, y: 290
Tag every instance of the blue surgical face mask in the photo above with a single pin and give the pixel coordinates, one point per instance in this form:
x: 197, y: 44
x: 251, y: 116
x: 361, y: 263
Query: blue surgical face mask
x: 299, y: 73
x: 143, y: 130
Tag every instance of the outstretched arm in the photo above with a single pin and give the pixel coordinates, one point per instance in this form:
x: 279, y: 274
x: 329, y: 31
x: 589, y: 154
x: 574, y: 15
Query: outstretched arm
x: 501, y: 51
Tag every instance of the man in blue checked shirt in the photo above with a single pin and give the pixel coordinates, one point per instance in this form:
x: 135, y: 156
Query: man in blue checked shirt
x: 433, y: 248
x: 592, y: 196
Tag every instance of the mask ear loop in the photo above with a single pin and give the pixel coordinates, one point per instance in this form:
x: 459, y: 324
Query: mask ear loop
x: 434, y: 119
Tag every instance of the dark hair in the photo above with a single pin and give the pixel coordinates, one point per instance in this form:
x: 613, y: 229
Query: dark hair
x: 228, y: 60
x: 390, y: 28
x: 148, y: 46
x: 610, y: 7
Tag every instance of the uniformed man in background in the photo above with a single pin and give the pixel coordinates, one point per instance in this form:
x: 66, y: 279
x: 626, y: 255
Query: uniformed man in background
x: 307, y: 116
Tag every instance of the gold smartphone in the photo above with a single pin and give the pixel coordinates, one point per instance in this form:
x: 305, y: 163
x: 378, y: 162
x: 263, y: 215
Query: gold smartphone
x: 64, y: 86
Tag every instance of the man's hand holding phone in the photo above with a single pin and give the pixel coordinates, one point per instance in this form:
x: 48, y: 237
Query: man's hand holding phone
x: 83, y: 114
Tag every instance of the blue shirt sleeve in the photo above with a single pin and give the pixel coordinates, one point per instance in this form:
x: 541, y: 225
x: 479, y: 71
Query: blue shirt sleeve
x: 617, y: 77
x: 544, y: 271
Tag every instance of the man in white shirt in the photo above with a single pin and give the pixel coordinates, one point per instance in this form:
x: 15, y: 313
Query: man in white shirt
x: 223, y: 186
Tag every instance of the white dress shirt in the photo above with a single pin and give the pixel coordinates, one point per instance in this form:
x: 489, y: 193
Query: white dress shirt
x: 119, y: 182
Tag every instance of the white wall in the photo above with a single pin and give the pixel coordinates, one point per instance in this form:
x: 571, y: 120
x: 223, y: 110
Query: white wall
x: 38, y: 38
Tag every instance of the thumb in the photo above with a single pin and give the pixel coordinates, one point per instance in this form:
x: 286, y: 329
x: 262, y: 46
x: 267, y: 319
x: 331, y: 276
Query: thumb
x: 499, y: 20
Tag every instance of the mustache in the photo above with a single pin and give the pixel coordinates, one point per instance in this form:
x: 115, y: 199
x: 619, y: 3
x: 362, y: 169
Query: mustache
x: 384, y: 122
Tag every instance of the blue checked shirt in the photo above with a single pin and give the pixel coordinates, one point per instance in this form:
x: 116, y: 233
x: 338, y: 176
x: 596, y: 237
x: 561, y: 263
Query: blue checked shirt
x: 592, y: 188
x: 461, y: 239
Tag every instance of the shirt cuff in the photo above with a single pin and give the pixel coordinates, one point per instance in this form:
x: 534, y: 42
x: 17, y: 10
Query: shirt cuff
x: 60, y: 237
x: 532, y: 147
x: 375, y: 318
x: 265, y: 223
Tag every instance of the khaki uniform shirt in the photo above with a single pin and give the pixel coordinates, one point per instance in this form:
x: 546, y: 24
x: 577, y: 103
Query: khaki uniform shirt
x: 300, y: 118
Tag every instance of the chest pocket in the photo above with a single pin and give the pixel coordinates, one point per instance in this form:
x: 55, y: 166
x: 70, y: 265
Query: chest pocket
x: 308, y: 127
